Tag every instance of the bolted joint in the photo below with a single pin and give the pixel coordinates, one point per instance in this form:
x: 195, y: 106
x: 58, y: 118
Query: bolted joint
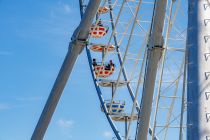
x: 79, y: 42
x: 152, y: 45
x: 158, y: 46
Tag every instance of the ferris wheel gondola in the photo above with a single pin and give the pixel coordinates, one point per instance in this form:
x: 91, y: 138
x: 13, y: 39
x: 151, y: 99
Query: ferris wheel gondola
x: 98, y: 30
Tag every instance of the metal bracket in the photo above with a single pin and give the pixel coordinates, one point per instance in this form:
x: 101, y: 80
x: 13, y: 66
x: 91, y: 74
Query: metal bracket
x: 207, y: 117
x: 82, y: 42
x: 206, y: 21
x: 206, y: 55
x: 207, y: 137
x: 206, y: 6
x: 207, y: 74
x: 207, y: 93
x: 206, y: 38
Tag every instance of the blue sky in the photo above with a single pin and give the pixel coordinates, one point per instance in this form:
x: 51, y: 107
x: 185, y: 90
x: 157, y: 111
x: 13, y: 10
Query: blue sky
x: 34, y: 37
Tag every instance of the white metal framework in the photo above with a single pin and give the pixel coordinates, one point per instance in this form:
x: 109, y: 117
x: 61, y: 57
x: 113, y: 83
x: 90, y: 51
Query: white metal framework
x: 147, y: 42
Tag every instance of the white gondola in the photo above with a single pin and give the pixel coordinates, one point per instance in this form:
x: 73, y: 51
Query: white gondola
x: 124, y: 117
x: 117, y: 107
x: 111, y: 83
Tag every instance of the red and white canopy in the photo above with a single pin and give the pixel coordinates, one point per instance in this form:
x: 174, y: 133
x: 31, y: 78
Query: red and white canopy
x: 101, y: 47
x: 103, y: 10
x: 98, y: 31
x: 100, y: 71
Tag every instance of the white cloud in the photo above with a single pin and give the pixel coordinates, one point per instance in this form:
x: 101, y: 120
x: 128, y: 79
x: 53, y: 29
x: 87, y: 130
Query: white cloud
x: 67, y: 8
x: 60, y: 9
x: 5, y: 106
x: 107, y: 134
x: 65, y: 123
x: 36, y: 98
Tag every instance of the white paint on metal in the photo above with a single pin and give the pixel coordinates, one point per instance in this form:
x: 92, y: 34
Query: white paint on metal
x: 154, y: 53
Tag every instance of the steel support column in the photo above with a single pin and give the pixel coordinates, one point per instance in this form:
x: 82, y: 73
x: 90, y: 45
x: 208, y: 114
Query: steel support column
x: 154, y: 53
x: 198, y: 78
x: 75, y: 47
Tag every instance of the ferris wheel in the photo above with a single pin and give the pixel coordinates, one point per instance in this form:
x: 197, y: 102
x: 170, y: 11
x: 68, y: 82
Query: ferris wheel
x: 120, y: 34
x: 141, y: 62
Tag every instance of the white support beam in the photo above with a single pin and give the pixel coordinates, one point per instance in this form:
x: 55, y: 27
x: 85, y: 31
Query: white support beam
x: 75, y: 47
x: 155, y: 51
